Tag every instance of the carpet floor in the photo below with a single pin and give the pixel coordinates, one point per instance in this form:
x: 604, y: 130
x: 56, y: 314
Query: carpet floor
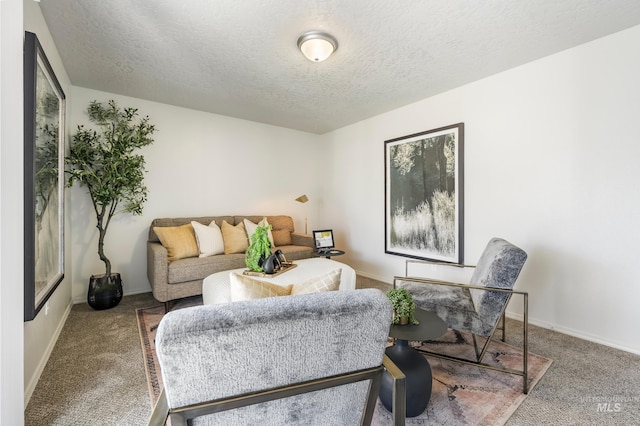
x: 96, y: 375
x: 461, y: 395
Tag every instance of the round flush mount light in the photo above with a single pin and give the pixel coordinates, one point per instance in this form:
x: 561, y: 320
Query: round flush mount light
x: 317, y: 46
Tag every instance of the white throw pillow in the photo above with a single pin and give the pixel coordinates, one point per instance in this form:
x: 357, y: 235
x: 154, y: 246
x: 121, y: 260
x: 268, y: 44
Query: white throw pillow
x: 251, y: 227
x: 209, y: 239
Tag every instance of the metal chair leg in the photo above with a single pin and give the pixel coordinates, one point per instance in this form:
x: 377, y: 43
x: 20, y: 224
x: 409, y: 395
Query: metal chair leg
x: 399, y: 395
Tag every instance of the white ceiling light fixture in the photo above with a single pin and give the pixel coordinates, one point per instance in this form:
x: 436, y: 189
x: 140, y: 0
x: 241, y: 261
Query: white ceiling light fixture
x: 317, y: 46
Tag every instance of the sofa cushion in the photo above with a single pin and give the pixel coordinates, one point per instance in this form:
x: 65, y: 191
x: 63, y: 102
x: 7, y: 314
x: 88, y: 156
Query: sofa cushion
x: 235, y: 238
x: 292, y: 252
x: 247, y: 288
x: 251, y: 227
x: 209, y: 238
x: 281, y: 222
x: 197, y: 268
x: 281, y: 237
x: 179, y: 221
x: 180, y: 241
x: 281, y: 227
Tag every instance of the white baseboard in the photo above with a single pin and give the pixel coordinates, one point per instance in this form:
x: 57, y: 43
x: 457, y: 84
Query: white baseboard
x: 575, y: 333
x: 372, y: 277
x: 77, y: 301
x: 549, y: 326
x: 31, y: 386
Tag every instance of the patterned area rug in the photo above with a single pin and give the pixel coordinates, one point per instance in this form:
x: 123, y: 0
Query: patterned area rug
x: 469, y: 395
x: 148, y: 320
x: 461, y: 395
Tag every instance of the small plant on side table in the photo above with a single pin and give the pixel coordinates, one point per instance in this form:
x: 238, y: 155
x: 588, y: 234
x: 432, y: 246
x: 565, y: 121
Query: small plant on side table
x: 403, y: 305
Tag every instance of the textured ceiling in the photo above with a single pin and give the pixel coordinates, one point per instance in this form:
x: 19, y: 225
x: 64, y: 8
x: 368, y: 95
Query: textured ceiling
x: 240, y: 59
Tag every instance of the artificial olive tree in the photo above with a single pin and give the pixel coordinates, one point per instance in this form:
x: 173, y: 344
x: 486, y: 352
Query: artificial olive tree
x: 106, y: 162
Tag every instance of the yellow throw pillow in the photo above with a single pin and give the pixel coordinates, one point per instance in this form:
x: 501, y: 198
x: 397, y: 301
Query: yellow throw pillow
x: 244, y: 287
x: 235, y: 238
x: 180, y: 241
x: 327, y: 282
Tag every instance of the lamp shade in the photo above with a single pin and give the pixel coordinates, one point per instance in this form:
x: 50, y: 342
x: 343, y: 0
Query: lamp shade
x: 317, y: 46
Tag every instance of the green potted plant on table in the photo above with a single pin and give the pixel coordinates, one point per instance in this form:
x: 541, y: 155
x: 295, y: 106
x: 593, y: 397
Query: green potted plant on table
x: 106, y: 163
x: 259, y: 250
x: 403, y: 306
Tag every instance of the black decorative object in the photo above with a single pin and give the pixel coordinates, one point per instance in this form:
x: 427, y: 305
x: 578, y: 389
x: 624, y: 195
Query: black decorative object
x: 269, y: 266
x: 424, y: 200
x: 412, y: 363
x: 273, y: 263
x: 104, y: 292
x: 418, y: 372
x: 44, y: 111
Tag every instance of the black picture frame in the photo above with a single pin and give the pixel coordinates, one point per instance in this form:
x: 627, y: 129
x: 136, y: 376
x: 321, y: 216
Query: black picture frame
x: 424, y: 195
x: 44, y: 149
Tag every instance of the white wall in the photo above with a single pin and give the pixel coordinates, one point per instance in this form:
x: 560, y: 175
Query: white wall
x: 11, y: 248
x: 41, y: 333
x: 550, y: 164
x: 549, y: 153
x: 199, y: 164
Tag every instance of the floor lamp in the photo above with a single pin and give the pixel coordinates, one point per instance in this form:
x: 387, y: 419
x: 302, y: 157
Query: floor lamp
x: 303, y: 199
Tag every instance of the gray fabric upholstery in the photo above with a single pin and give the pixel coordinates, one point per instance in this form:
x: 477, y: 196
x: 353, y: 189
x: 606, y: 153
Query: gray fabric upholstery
x: 498, y: 267
x: 452, y: 304
x: 474, y: 310
x: 216, y: 351
x: 194, y: 268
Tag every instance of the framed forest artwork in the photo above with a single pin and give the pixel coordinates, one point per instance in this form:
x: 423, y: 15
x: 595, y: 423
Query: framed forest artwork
x: 424, y: 195
x: 44, y: 107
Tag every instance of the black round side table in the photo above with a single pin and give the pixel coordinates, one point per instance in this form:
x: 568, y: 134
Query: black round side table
x: 329, y: 253
x: 411, y: 362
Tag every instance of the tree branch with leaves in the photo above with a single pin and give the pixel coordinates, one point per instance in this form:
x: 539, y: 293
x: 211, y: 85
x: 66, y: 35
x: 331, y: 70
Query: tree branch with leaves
x: 106, y: 162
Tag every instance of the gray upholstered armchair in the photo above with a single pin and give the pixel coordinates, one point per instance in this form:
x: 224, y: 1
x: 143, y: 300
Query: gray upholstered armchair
x: 313, y: 359
x: 478, y: 307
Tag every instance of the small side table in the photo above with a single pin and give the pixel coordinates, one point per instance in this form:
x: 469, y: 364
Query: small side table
x: 411, y: 362
x: 329, y: 253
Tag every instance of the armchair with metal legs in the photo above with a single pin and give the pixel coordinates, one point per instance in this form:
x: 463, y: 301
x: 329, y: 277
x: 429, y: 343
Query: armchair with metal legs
x: 478, y: 307
x: 297, y: 360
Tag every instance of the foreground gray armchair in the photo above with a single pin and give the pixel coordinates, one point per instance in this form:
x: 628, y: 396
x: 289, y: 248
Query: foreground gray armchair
x: 313, y: 359
x: 478, y: 307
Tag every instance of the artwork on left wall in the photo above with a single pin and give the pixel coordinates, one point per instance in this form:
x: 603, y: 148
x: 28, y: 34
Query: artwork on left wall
x: 44, y: 110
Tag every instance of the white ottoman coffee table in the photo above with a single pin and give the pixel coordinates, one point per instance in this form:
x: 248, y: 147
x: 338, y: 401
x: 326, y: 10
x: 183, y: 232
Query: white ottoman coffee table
x: 216, y: 287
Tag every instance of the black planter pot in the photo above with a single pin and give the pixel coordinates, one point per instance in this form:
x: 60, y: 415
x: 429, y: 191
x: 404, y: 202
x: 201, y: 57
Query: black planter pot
x: 104, y: 292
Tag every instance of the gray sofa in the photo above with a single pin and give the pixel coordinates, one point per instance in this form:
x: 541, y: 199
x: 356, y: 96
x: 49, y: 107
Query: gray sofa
x: 171, y: 280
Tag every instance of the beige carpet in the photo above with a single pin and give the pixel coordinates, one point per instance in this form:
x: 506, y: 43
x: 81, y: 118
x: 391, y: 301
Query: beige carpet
x: 462, y: 394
